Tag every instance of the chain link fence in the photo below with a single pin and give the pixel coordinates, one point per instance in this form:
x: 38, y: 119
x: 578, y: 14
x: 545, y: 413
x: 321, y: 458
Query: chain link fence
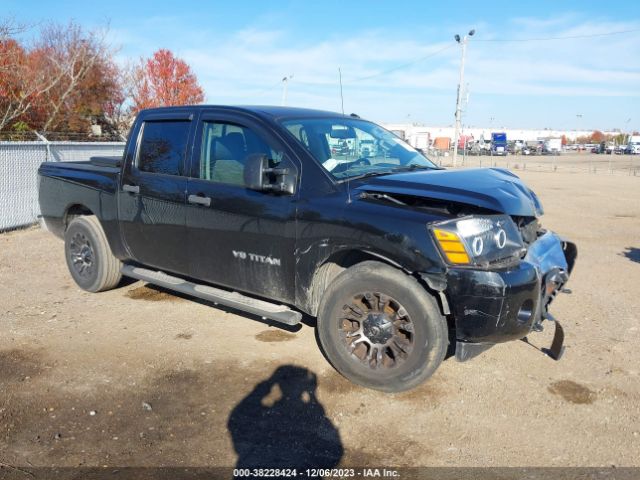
x: 19, y: 162
x: 604, y: 164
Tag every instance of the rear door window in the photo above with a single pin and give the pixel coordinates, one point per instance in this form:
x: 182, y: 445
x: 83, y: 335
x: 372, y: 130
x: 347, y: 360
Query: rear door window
x: 163, y: 147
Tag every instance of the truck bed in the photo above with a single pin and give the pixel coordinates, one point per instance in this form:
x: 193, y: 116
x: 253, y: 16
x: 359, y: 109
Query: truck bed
x: 65, y: 184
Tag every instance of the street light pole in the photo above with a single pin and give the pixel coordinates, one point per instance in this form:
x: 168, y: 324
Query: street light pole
x: 456, y: 136
x: 285, y: 82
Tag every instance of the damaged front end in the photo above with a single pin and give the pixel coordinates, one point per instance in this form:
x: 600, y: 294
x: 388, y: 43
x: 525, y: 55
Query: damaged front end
x: 494, y: 306
x: 501, y: 269
x: 555, y: 258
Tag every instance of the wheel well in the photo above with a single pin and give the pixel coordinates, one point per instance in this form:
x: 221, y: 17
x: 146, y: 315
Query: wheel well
x: 334, y: 266
x: 340, y: 261
x: 74, y: 211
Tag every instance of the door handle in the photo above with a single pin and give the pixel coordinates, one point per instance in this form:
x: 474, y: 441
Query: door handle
x: 131, y: 188
x: 199, y: 200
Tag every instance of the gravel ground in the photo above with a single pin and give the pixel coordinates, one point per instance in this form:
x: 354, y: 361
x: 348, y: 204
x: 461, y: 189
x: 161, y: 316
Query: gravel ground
x: 141, y: 377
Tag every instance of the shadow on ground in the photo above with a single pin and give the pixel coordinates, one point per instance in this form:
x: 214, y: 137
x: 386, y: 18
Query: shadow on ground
x: 632, y: 253
x: 281, y: 424
x: 213, y: 414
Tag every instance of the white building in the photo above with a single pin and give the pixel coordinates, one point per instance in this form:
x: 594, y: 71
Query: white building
x: 414, y: 131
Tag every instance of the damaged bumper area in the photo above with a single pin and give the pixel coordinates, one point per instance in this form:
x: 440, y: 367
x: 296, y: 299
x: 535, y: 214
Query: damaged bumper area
x: 492, y: 307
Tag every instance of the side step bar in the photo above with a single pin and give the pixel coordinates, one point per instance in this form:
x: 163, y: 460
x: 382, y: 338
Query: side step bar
x: 272, y: 311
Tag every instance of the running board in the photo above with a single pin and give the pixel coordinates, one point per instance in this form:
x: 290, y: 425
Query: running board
x: 272, y: 311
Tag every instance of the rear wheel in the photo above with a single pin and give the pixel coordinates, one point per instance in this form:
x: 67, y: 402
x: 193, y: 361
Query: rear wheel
x: 89, y: 258
x: 381, y: 329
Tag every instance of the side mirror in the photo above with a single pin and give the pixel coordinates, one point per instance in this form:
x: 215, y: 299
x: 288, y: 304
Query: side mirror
x: 254, y: 171
x: 259, y: 176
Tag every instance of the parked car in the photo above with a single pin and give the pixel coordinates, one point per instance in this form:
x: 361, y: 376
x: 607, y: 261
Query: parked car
x: 474, y: 148
x: 532, y: 147
x: 633, y: 145
x: 245, y: 207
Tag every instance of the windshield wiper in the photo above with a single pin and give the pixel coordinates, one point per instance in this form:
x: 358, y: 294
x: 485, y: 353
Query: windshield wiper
x: 381, y: 196
x: 374, y: 173
x: 411, y: 168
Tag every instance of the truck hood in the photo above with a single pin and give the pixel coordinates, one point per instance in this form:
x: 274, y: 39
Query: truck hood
x: 491, y: 188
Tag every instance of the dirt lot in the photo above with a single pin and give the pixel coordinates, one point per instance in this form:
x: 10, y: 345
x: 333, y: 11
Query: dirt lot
x: 567, y: 162
x: 138, y: 376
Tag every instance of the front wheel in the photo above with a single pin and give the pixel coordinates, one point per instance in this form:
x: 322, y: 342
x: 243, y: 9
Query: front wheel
x: 381, y: 329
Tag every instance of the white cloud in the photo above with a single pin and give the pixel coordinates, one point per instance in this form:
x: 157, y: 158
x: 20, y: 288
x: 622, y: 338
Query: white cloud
x: 541, y: 24
x: 247, y: 66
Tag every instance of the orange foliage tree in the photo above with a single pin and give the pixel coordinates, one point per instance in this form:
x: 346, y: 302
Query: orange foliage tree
x: 21, y: 83
x: 67, y: 80
x: 164, y: 80
x: 597, y: 136
x: 64, y: 82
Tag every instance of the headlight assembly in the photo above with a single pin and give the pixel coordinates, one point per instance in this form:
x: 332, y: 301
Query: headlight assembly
x: 478, y: 241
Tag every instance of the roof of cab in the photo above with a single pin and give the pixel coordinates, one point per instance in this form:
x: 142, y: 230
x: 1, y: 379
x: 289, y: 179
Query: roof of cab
x: 273, y: 112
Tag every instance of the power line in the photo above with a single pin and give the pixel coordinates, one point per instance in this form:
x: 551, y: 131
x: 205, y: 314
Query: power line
x: 257, y: 93
x: 447, y: 47
x: 400, y: 67
x: 379, y: 74
x: 567, y: 37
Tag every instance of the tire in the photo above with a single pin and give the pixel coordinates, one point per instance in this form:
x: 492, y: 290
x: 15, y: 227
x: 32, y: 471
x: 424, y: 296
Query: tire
x: 371, y: 341
x: 89, y: 257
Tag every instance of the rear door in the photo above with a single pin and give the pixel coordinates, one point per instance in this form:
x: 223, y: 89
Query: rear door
x: 152, y: 196
x: 239, y: 238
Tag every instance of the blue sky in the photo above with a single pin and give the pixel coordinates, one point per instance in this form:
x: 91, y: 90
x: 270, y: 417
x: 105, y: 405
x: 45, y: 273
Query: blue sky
x: 240, y: 51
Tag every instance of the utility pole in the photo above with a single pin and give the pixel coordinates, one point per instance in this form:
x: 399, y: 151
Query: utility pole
x: 462, y: 42
x: 624, y: 133
x: 341, y: 96
x: 285, y: 82
x: 578, y: 118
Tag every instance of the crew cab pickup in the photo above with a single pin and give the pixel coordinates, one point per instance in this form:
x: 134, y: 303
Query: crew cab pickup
x: 400, y: 261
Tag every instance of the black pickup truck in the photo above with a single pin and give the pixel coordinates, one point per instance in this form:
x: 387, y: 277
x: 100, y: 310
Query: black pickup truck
x: 256, y: 208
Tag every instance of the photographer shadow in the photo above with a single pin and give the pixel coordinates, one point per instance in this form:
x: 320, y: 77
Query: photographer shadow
x: 281, y: 424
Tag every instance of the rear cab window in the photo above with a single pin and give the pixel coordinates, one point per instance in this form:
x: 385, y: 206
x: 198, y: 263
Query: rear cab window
x: 163, y: 146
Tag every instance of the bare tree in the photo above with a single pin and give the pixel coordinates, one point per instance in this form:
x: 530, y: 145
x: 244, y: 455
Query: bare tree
x: 118, y: 112
x: 69, y: 54
x: 10, y: 28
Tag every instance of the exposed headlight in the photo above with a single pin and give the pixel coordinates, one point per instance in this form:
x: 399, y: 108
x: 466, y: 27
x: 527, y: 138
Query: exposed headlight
x: 478, y: 241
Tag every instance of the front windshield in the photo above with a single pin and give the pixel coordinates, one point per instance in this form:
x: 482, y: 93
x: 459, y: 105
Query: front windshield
x: 350, y: 147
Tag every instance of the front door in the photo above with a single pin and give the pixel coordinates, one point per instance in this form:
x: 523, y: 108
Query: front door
x: 152, y: 194
x: 239, y: 238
